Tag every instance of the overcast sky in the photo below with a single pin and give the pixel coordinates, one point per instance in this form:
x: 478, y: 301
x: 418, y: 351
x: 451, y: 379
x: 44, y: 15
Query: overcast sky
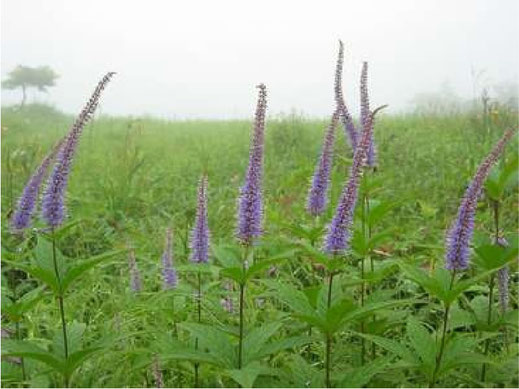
x: 202, y: 59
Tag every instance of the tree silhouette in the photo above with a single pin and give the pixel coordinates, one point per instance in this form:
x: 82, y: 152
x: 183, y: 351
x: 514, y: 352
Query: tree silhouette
x: 24, y: 77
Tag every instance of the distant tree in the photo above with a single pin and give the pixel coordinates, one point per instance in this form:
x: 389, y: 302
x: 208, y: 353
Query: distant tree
x: 24, y: 77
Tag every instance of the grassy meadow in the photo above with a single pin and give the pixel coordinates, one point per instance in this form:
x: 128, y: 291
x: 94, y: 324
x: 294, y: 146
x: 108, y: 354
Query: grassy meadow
x: 134, y: 177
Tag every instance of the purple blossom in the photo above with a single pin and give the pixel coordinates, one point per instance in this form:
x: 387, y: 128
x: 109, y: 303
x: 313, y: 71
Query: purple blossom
x: 461, y: 230
x: 338, y: 235
x: 347, y: 120
x: 250, y: 203
x: 26, y: 205
x: 53, y: 207
x: 200, y: 233
x: 169, y: 274
x: 502, y: 279
x: 135, y: 276
x: 365, y: 112
x: 318, y: 193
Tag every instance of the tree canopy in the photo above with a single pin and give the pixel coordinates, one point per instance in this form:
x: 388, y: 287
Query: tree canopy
x: 41, y: 77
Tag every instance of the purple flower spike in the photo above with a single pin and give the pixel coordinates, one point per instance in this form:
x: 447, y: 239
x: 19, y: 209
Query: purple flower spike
x: 200, y: 233
x: 347, y: 120
x: 460, y: 233
x: 502, y: 279
x: 53, y: 207
x: 169, y: 274
x: 250, y: 203
x: 365, y: 112
x: 135, y: 275
x: 337, y: 238
x: 318, y: 194
x: 26, y: 205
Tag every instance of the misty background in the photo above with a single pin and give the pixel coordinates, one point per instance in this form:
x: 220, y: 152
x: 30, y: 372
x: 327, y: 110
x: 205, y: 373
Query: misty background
x: 202, y: 59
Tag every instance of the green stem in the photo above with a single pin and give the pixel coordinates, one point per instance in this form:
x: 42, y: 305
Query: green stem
x: 495, y: 209
x: 328, y: 358
x: 199, y: 313
x: 366, y: 232
x: 22, y: 362
x: 444, y: 333
x: 240, y: 345
x: 60, y: 303
x: 489, y: 320
x: 242, y: 303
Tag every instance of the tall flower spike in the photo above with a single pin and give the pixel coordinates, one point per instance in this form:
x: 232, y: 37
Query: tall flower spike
x: 169, y: 274
x: 365, y: 112
x: 502, y: 279
x: 318, y: 194
x: 53, y: 207
x: 250, y: 203
x: 135, y: 275
x: 347, y: 120
x: 200, y: 233
x: 26, y: 205
x: 338, y: 235
x: 461, y: 230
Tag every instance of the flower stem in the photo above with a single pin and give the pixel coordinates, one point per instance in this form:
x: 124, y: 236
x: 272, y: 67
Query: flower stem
x: 60, y: 303
x: 328, y: 359
x: 489, y: 320
x: 444, y: 333
x: 22, y: 362
x: 495, y: 209
x: 199, y: 314
x: 240, y: 345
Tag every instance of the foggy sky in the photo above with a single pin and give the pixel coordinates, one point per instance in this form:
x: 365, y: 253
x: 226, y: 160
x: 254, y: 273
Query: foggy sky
x: 202, y: 59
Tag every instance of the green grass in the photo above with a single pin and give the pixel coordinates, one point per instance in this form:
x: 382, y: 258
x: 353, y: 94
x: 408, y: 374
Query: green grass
x: 133, y: 177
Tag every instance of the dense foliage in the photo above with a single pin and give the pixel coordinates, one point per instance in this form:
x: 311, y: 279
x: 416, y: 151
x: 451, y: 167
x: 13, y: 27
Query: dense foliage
x: 133, y: 178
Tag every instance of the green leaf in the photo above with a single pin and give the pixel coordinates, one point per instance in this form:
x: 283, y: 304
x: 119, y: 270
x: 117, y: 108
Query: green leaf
x: 228, y: 256
x: 378, y: 211
x: 16, y: 310
x: 76, y: 271
x: 264, y: 264
x: 45, y: 276
x: 294, y: 298
x: 392, y: 346
x: 24, y: 349
x: 491, y: 256
x: 256, y: 339
x: 461, y: 351
x: 337, y: 315
x: 379, y: 237
x: 359, y: 377
x: 368, y: 309
x: 234, y: 273
x: 423, y: 344
x: 247, y: 374
x: 432, y: 285
x: 77, y: 358
x: 282, y: 344
x: 75, y: 333
x: 189, y: 354
x: 44, y: 256
x: 215, y: 340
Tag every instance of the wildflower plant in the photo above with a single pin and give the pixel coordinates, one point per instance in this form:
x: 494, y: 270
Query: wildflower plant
x: 50, y: 266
